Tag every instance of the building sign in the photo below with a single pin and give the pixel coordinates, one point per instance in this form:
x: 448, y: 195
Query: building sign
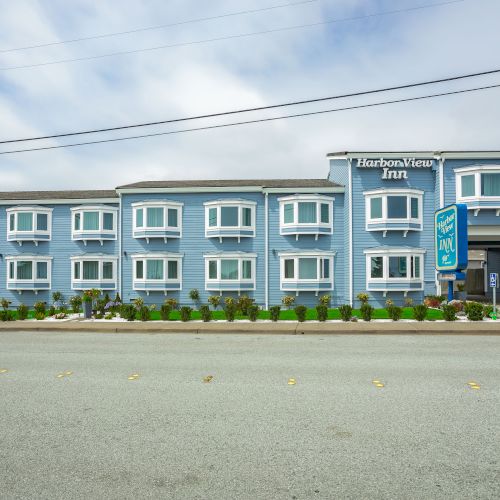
x: 394, y: 169
x: 450, y: 238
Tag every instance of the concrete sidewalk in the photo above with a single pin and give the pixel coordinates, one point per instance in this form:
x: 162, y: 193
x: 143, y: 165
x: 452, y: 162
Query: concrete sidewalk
x: 281, y: 327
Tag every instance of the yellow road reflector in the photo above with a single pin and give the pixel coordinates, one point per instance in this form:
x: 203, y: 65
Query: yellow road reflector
x: 134, y: 376
x: 472, y: 383
x: 68, y: 373
x: 376, y: 381
x: 208, y: 379
x: 3, y: 370
x: 379, y: 385
x: 60, y: 375
x: 475, y: 387
x: 291, y: 381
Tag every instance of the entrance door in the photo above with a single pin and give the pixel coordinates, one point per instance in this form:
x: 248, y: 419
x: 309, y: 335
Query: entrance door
x: 474, y: 283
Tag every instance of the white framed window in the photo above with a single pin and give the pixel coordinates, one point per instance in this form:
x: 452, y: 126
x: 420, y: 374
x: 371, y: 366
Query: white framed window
x: 93, y: 271
x: 477, y: 184
x: 152, y: 270
x: 393, y: 268
x: 29, y: 272
x: 394, y: 210
x: 29, y: 224
x: 97, y: 222
x: 157, y: 219
x: 230, y: 271
x: 306, y: 214
x: 230, y: 218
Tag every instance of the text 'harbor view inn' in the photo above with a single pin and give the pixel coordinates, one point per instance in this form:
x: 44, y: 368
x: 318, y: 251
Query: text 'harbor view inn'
x: 367, y: 227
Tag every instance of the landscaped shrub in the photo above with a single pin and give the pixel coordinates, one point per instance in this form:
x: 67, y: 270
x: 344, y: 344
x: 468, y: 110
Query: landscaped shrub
x: 76, y: 303
x: 325, y: 300
x: 389, y: 302
x: 5, y: 304
x: 433, y: 300
x: 366, y: 311
x: 394, y: 312
x: 449, y: 312
x: 185, y: 312
x: 56, y: 298
x: 300, y: 312
x: 214, y: 301
x: 408, y: 302
x: 165, y: 311
x: 229, y: 300
x: 6, y: 315
x: 144, y: 313
x: 39, y: 315
x: 39, y: 308
x: 322, y: 312
x: 230, y: 311
x: 51, y: 311
x: 363, y: 297
x: 194, y: 295
x: 487, y: 310
x: 253, y: 312
x: 475, y: 311
x: 457, y: 304
x: 172, y: 303
x: 288, y: 301
x: 244, y: 304
x: 206, y: 313
x: 274, y: 313
x: 118, y: 299
x: 420, y: 312
x: 127, y: 311
x: 345, y: 311
x: 22, y: 311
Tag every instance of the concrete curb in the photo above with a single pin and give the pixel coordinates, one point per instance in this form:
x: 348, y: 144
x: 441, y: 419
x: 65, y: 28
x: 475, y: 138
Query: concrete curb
x: 282, y: 327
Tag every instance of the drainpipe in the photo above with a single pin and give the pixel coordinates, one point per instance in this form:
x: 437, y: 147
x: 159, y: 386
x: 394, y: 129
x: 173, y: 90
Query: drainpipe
x: 441, y: 205
x: 351, y: 257
x: 266, y: 250
x: 120, y: 288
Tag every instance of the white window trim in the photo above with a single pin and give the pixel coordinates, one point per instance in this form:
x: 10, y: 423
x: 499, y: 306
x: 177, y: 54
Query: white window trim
x: 384, y: 194
x: 395, y: 252
x: 300, y: 198
x: 295, y: 256
x: 240, y: 257
x: 165, y: 204
x: 79, y: 284
x: 13, y: 235
x: 476, y: 171
x: 82, y: 234
x: 33, y: 259
x: 156, y: 256
x: 240, y: 205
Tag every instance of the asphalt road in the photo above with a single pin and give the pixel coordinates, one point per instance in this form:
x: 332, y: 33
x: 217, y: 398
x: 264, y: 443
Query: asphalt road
x: 248, y: 434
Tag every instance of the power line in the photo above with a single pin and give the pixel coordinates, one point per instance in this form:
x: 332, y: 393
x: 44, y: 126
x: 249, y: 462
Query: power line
x: 159, y: 26
x: 260, y: 108
x: 260, y: 120
x: 231, y: 37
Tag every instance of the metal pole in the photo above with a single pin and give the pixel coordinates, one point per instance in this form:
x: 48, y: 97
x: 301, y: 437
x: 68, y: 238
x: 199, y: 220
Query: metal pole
x: 450, y: 291
x: 495, y: 302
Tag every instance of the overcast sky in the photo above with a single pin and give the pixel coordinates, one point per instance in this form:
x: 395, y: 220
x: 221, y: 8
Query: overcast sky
x: 291, y: 65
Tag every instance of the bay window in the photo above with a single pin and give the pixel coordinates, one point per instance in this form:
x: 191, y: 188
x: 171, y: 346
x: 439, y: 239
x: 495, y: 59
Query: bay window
x: 230, y: 219
x: 94, y: 271
x: 230, y: 271
x: 157, y: 219
x: 479, y: 187
x: 306, y: 214
x: 94, y: 223
x: 28, y: 272
x: 157, y: 271
x: 29, y: 224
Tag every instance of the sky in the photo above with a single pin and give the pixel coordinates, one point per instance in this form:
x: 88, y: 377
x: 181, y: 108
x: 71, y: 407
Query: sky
x: 329, y: 59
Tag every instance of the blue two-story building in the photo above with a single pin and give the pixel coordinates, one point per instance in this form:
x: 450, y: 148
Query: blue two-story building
x: 366, y: 227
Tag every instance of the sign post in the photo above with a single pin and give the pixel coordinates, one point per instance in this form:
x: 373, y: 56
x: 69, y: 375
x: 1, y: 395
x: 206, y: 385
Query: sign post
x: 494, y: 285
x: 451, y: 243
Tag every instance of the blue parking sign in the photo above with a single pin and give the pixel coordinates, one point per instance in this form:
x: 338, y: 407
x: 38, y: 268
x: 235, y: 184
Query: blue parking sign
x: 494, y: 280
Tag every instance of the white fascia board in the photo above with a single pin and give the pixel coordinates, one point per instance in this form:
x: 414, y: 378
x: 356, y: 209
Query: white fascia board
x: 28, y: 257
x: 95, y: 207
x: 393, y: 191
x: 307, y: 253
x: 476, y: 168
x: 29, y: 208
x: 225, y: 255
x: 58, y: 201
x: 392, y: 154
x: 235, y: 201
x: 394, y: 250
x: 148, y: 203
x: 94, y: 256
x: 303, y: 197
x: 157, y: 255
x: 473, y: 155
x: 312, y: 190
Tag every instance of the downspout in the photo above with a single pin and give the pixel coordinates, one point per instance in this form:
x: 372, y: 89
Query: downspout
x: 351, y: 257
x: 441, y: 205
x: 266, y: 250
x: 120, y: 288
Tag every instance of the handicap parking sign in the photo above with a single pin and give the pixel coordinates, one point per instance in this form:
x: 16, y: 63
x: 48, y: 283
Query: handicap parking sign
x: 494, y: 280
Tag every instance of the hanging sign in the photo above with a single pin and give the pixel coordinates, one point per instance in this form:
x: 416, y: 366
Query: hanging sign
x: 450, y: 238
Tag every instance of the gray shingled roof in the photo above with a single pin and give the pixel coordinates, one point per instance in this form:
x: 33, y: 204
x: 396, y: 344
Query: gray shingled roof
x: 268, y: 183
x: 57, y: 195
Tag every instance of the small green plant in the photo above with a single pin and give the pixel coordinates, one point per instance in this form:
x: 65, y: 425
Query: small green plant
x: 214, y: 301
x: 194, y: 295
x: 51, y: 311
x: 109, y: 315
x: 366, y: 311
x: 420, y: 312
x: 56, y: 298
x: 345, y: 311
x: 322, y: 312
x: 5, y: 304
x: 127, y: 311
x: 408, y: 302
x: 300, y: 312
x: 118, y: 299
x: 22, y: 311
x: 274, y: 313
x: 206, y: 313
x: 76, y: 303
x: 394, y: 312
x: 6, y: 315
x: 288, y: 301
x: 230, y: 311
x: 40, y: 308
x: 449, y: 312
x: 185, y: 313
x: 363, y: 297
x: 138, y: 302
x: 461, y: 287
x: 389, y: 302
x: 487, y: 310
x: 39, y: 315
x: 172, y: 303
x: 244, y: 303
x: 144, y: 313
x: 229, y: 301
x: 253, y: 312
x: 475, y: 311
x: 165, y: 310
x: 325, y: 300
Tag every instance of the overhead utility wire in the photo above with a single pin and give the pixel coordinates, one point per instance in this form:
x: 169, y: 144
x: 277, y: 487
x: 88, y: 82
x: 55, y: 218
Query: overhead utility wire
x: 231, y: 37
x: 159, y: 26
x: 260, y: 108
x: 260, y: 120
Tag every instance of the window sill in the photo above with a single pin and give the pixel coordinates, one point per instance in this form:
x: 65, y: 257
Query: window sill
x: 28, y: 285
x: 482, y: 203
x: 305, y: 229
x: 34, y: 236
x: 157, y: 286
x: 403, y: 225
x: 306, y: 285
x: 100, y: 284
x: 229, y: 285
x: 394, y: 285
x: 230, y: 232
x: 100, y: 236
x: 156, y: 233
